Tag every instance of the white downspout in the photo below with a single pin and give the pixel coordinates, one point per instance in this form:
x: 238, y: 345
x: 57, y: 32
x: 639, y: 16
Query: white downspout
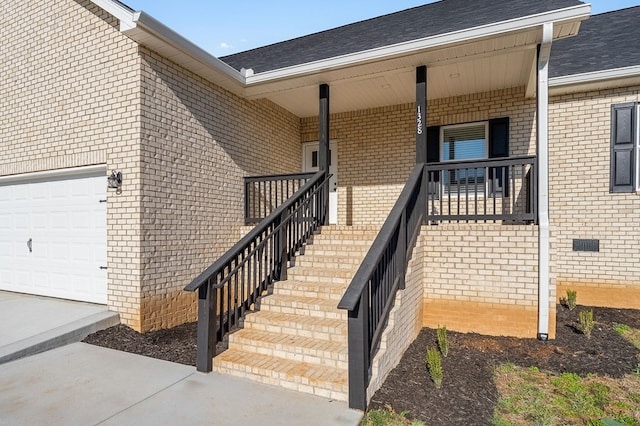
x: 543, y: 180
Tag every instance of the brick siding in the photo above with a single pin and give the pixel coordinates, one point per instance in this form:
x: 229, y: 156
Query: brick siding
x: 581, y: 206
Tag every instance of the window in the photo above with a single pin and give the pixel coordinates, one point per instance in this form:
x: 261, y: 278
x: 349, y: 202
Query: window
x: 468, y: 142
x: 463, y: 142
x: 625, y: 148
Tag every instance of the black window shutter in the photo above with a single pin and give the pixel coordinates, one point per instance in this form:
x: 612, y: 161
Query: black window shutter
x: 433, y: 147
x: 433, y: 144
x: 499, y: 148
x: 623, y: 140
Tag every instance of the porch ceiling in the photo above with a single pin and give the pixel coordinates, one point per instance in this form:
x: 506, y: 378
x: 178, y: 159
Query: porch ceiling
x: 492, y: 63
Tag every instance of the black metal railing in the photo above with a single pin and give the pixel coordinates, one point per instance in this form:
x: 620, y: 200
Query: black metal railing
x: 487, y: 190
x: 369, y: 298
x: 229, y: 287
x: 262, y: 194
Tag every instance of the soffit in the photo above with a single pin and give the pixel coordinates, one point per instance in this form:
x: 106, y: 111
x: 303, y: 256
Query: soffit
x: 491, y: 63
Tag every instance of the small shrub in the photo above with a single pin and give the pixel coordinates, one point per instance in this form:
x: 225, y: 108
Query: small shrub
x: 571, y: 299
x: 443, y: 341
x: 434, y: 363
x: 586, y: 323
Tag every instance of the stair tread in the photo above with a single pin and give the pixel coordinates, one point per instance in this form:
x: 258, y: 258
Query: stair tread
x: 276, y: 318
x: 282, y: 299
x: 284, y: 369
x: 320, y: 270
x: 283, y: 340
x: 328, y: 291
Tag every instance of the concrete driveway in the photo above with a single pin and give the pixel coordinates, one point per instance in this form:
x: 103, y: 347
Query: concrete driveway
x: 32, y: 324
x: 82, y: 384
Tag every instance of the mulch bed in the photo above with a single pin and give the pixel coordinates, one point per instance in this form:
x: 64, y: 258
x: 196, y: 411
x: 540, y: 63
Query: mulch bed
x: 468, y: 395
x: 177, y: 344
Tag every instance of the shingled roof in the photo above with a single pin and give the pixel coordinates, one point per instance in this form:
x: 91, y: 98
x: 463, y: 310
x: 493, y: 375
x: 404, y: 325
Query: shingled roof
x: 433, y: 19
x: 605, y: 41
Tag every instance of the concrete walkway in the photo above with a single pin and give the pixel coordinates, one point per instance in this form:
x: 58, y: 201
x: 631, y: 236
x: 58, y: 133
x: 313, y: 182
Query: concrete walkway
x: 33, y: 324
x: 81, y: 384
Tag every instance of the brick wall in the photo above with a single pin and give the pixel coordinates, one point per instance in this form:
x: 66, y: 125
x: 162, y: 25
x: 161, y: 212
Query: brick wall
x: 65, y: 101
x: 69, y: 97
x: 198, y: 142
x: 404, y: 324
x: 581, y: 207
x: 482, y: 278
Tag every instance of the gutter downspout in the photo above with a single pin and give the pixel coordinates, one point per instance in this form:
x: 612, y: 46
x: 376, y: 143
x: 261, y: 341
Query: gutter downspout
x: 544, y: 51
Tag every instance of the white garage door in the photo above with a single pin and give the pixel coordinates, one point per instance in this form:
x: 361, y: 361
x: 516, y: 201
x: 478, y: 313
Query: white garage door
x: 53, y: 238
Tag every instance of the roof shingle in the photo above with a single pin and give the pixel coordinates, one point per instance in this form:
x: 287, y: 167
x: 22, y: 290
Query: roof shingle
x: 606, y: 41
x: 433, y: 19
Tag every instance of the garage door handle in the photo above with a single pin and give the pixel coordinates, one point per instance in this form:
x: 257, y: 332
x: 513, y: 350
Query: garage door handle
x: 103, y: 267
x: 30, y: 245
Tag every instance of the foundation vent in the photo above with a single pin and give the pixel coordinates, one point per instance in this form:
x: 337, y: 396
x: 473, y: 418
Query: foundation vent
x: 586, y: 245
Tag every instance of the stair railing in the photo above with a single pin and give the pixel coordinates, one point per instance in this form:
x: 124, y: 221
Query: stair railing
x: 234, y: 283
x: 370, y: 296
x: 262, y: 194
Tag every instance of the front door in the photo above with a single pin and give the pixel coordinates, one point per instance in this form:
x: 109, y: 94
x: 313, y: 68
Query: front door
x: 310, y: 164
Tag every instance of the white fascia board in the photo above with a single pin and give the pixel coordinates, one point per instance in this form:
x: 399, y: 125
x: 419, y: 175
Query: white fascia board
x: 591, y: 77
x: 116, y: 9
x: 131, y: 21
x: 156, y: 28
x: 576, y: 12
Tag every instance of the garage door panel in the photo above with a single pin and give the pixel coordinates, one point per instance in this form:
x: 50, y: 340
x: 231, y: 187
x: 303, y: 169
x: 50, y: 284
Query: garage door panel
x: 67, y: 225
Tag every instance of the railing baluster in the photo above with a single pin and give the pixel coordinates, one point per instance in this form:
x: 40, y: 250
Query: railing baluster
x: 495, y: 176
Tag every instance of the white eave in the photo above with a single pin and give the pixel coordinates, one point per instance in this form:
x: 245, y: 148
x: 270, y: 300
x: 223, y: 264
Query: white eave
x: 596, y: 80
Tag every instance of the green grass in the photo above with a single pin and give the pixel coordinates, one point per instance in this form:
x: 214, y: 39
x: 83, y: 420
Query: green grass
x: 388, y: 417
x: 631, y: 334
x: 531, y: 397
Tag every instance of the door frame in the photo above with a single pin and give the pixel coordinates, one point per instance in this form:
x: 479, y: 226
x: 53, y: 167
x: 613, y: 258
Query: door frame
x: 333, y: 170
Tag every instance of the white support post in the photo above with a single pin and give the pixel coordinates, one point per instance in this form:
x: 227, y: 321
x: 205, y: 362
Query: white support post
x: 544, y: 51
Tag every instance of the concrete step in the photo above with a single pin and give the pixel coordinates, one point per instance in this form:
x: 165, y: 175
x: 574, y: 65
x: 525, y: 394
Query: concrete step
x: 328, y: 291
x: 303, y: 306
x: 297, y: 325
x: 296, y: 348
x: 324, y: 381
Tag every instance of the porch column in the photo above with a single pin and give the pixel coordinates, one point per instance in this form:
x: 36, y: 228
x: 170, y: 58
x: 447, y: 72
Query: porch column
x: 421, y: 134
x: 323, y: 145
x: 421, y: 114
x: 544, y: 51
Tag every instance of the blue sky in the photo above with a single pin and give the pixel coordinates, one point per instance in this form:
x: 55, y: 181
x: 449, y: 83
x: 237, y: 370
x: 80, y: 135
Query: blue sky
x: 225, y: 27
